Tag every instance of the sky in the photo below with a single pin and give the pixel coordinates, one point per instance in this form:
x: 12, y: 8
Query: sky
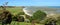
x: 31, y: 2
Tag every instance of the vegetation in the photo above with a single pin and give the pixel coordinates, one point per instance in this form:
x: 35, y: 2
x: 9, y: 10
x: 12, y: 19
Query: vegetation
x: 39, y: 15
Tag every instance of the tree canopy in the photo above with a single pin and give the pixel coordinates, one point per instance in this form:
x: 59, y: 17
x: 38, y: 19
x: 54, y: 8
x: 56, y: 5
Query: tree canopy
x: 39, y: 15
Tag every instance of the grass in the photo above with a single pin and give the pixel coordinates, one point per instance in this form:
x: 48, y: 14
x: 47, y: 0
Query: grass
x: 15, y: 10
x: 22, y: 23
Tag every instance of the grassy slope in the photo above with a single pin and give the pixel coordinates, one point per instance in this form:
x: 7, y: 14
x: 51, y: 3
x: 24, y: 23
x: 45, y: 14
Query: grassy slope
x: 15, y: 10
x: 22, y: 23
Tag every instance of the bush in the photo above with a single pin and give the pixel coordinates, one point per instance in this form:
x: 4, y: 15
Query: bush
x: 18, y: 18
x: 21, y: 13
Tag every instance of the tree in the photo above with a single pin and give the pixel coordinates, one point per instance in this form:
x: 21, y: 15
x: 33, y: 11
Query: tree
x: 38, y: 15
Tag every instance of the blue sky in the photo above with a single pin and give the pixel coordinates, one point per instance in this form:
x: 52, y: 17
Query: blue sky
x: 31, y: 2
